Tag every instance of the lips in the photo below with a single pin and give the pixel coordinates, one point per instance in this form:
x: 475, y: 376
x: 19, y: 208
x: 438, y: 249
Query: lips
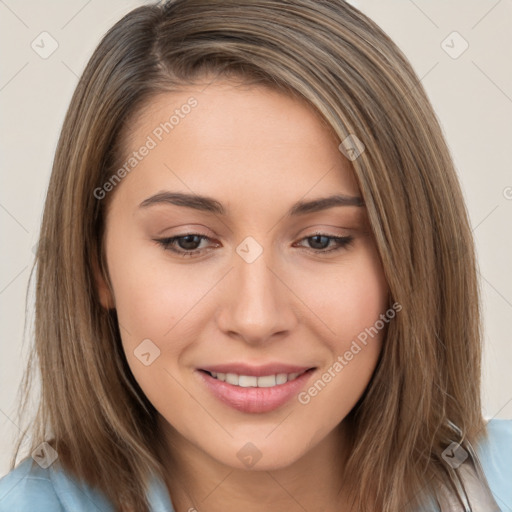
x: 254, y: 399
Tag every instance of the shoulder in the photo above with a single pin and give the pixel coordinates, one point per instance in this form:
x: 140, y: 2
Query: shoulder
x: 26, y: 485
x: 30, y: 488
x: 495, y: 454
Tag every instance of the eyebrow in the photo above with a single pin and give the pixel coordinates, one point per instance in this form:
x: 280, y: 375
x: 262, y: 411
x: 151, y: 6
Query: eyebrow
x: 210, y: 205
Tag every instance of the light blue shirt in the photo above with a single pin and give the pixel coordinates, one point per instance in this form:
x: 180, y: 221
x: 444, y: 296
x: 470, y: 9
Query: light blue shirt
x: 30, y: 488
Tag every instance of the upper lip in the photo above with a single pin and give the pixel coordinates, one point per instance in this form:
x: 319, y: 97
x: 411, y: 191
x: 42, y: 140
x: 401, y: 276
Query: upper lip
x: 256, y: 371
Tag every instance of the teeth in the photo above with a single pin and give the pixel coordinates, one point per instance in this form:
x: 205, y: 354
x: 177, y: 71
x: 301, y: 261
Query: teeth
x: 266, y: 381
x: 250, y: 381
x: 281, y: 378
x: 245, y: 381
x: 232, y: 378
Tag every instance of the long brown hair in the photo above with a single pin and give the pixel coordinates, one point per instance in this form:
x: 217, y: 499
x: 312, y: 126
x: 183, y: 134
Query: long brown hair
x: 338, y: 60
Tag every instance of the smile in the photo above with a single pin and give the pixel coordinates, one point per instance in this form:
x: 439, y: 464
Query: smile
x: 254, y: 394
x: 248, y: 381
x: 251, y: 381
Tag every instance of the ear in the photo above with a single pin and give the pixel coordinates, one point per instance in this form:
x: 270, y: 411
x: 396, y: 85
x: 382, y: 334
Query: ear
x: 103, y: 289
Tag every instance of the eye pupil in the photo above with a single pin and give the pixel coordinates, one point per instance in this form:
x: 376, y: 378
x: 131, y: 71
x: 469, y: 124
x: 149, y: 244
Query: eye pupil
x: 319, y: 245
x: 189, y: 239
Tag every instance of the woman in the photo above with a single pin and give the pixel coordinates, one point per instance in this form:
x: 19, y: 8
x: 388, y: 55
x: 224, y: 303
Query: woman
x: 257, y: 284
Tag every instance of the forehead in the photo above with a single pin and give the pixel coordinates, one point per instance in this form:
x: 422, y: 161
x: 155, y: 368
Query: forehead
x: 243, y: 141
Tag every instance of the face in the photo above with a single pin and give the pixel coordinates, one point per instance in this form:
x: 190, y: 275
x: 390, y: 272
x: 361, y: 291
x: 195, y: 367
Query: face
x: 258, y: 281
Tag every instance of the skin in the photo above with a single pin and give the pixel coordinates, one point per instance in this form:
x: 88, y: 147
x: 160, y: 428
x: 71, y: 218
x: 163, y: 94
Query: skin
x: 257, y: 152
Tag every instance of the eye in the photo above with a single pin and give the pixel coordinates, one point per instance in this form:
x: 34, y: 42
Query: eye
x: 184, y: 245
x: 189, y: 244
x: 319, y: 241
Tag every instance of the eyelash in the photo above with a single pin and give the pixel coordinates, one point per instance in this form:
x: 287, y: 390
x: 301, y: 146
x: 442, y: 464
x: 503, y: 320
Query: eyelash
x: 168, y: 244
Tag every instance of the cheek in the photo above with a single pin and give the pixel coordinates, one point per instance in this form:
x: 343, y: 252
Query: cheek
x: 351, y: 301
x: 151, y: 292
x: 148, y: 301
x: 154, y: 308
x: 341, y: 382
x: 348, y: 297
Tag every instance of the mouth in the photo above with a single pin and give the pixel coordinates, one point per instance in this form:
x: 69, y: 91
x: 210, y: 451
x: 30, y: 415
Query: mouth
x: 255, y: 393
x: 253, y: 381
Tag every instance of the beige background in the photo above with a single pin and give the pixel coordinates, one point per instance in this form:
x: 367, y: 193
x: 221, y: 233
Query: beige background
x: 472, y: 95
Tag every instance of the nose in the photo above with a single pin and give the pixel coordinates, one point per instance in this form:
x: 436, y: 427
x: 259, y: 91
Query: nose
x: 257, y: 305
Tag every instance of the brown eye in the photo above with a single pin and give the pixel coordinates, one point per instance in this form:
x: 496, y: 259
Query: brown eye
x: 184, y: 245
x: 319, y: 242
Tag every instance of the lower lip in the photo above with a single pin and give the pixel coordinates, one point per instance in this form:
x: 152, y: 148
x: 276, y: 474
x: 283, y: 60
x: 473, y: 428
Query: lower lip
x: 253, y: 399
